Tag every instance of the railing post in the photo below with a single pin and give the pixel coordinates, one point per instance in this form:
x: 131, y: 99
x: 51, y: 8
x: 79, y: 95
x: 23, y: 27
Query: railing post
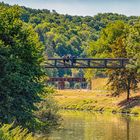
x: 121, y: 63
x: 55, y: 63
x: 89, y: 63
x: 105, y: 63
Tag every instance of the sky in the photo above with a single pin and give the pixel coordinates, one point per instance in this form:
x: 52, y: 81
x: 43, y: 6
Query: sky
x: 83, y: 7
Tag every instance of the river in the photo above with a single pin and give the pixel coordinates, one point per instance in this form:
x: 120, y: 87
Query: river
x: 78, y: 125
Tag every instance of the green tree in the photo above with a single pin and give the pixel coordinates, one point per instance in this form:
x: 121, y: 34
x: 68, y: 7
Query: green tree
x: 133, y: 48
x: 20, y: 69
x: 114, y: 42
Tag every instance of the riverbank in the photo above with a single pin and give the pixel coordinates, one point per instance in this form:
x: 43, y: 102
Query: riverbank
x: 98, y: 100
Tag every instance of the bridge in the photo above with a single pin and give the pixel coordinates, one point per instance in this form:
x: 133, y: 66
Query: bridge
x: 66, y: 79
x: 61, y: 81
x: 110, y: 63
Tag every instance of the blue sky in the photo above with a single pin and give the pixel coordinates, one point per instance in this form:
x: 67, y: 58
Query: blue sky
x: 83, y: 7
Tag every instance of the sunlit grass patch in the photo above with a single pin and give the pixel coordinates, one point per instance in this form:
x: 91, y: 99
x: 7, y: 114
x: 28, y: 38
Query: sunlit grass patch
x: 94, y: 100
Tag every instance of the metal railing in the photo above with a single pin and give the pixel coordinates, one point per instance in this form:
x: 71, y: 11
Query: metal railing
x: 111, y: 63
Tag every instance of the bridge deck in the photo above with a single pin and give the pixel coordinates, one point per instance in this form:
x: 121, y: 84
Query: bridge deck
x: 111, y: 63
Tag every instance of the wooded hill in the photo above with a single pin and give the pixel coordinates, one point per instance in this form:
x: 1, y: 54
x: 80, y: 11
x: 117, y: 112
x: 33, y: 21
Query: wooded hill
x: 66, y: 34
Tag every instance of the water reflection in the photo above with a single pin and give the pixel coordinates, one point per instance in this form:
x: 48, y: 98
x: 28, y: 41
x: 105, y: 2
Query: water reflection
x: 91, y: 126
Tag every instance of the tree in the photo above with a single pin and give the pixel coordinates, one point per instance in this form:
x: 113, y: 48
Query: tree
x: 114, y: 42
x: 133, y: 41
x: 20, y: 69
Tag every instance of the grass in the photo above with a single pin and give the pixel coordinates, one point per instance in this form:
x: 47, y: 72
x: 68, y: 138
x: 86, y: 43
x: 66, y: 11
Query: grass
x: 97, y: 99
x: 99, y: 84
x: 7, y: 132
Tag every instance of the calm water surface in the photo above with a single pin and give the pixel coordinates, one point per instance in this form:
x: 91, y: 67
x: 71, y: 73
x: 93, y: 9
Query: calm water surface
x: 92, y: 126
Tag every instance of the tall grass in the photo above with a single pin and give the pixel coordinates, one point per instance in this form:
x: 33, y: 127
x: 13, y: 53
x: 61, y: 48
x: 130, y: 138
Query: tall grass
x: 7, y: 132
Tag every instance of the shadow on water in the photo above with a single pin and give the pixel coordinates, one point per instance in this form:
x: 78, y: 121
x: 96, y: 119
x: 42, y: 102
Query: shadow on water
x: 78, y: 125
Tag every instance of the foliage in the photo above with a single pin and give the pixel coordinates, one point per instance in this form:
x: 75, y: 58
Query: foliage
x: 7, y: 132
x: 22, y: 94
x: 65, y: 34
x: 20, y: 70
x: 118, y: 41
x: 47, y: 113
x: 133, y: 47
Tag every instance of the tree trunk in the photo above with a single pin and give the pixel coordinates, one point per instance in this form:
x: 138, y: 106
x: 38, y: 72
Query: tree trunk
x: 90, y: 84
x: 128, y: 94
x: 128, y: 89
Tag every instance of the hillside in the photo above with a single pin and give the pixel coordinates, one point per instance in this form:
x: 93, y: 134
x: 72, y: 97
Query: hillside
x: 66, y: 34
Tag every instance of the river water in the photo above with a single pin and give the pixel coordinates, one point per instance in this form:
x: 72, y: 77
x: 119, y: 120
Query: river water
x: 78, y: 125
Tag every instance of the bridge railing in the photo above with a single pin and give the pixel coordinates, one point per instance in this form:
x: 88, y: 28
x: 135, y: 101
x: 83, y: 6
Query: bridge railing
x: 87, y: 63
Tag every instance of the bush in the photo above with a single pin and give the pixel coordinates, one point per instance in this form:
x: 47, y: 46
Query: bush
x: 47, y: 114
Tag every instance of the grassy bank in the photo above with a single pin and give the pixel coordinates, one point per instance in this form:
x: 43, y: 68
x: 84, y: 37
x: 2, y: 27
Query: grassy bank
x: 98, y: 99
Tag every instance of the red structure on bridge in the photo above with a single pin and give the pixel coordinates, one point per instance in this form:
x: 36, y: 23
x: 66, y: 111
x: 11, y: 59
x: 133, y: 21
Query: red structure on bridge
x: 61, y: 81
